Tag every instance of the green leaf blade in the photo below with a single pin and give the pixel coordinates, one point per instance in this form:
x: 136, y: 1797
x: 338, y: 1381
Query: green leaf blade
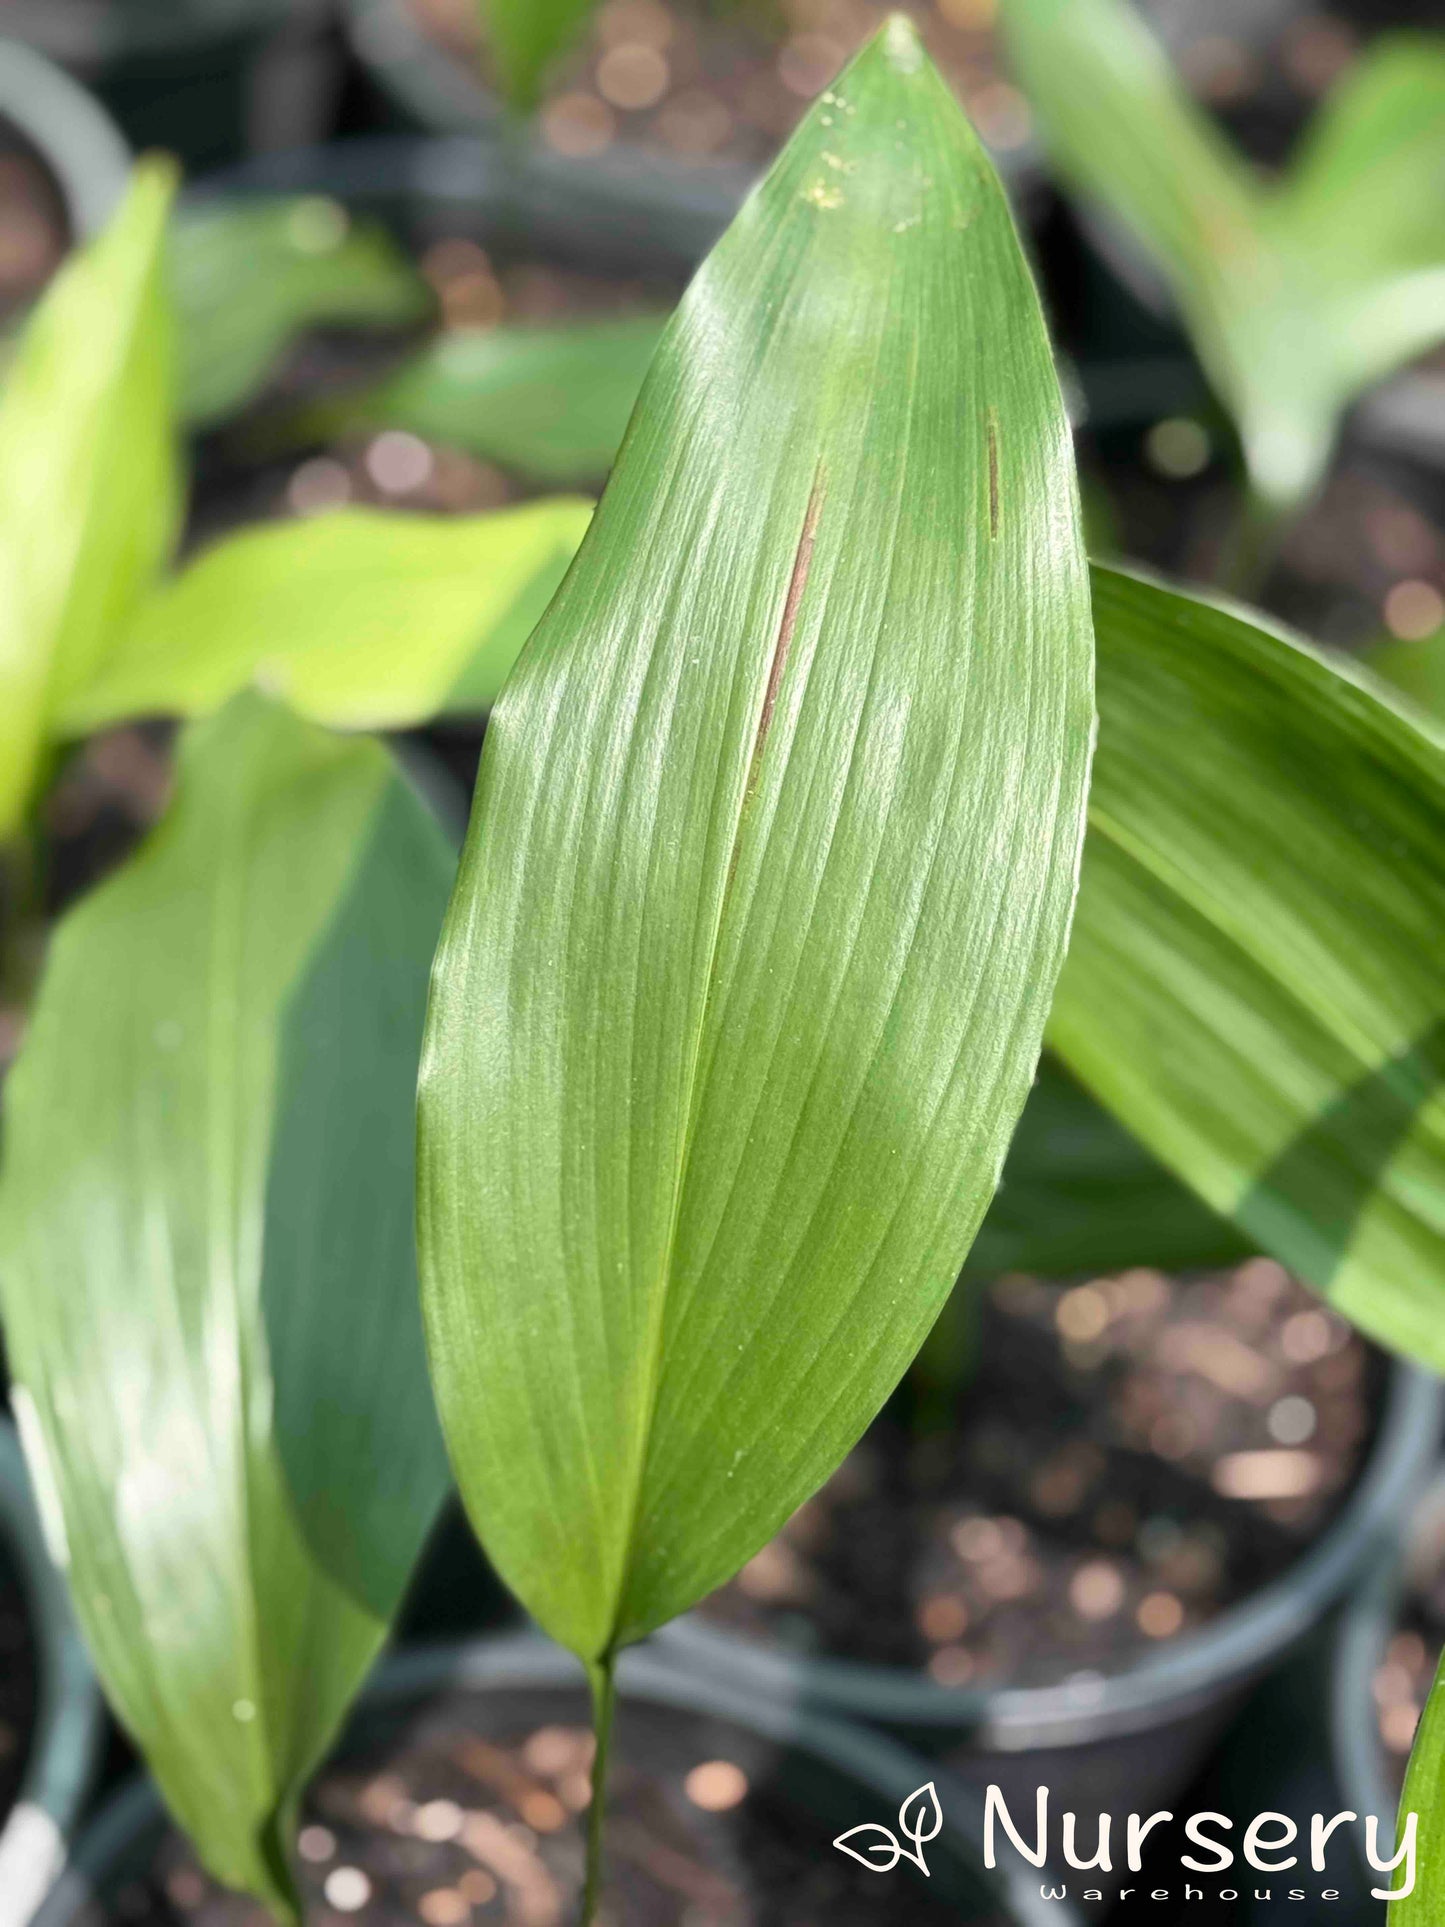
x: 248, y: 276
x: 526, y: 36
x: 89, y: 475
x: 548, y: 402
x: 207, y: 1271
x: 1256, y: 984
x: 768, y: 880
x: 359, y: 619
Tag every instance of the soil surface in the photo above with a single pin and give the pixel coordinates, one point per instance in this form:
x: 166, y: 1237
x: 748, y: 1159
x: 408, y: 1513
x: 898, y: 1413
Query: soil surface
x: 1137, y: 1453
x: 704, y: 81
x: 473, y: 1812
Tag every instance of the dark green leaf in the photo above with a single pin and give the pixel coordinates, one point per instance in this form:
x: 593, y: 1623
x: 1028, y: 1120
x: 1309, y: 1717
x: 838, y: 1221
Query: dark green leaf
x: 1079, y: 1194
x: 249, y: 276
x: 207, y: 1269
x: 550, y: 403
x: 1256, y: 983
x: 767, y: 884
x: 360, y: 619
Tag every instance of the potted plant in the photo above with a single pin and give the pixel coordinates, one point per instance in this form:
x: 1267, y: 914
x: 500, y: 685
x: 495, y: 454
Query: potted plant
x: 759, y: 924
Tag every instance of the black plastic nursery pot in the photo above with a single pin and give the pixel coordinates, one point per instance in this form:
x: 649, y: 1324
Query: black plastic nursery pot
x: 65, y: 1717
x: 1106, y: 1742
x: 1365, y: 1629
x: 208, y: 80
x: 49, y: 117
x: 772, y: 1786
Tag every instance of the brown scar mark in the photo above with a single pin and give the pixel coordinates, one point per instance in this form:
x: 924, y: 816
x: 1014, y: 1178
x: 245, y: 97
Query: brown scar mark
x: 993, y: 474
x: 797, y: 583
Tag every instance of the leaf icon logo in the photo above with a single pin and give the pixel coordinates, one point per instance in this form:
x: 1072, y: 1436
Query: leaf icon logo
x: 879, y: 1849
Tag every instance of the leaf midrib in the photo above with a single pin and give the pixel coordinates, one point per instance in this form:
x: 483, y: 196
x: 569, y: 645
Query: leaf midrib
x: 798, y: 574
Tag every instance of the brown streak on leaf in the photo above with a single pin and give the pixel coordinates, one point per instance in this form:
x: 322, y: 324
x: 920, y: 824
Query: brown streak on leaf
x: 993, y: 475
x: 798, y: 582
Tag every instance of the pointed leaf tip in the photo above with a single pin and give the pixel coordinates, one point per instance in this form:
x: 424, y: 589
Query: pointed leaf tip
x: 901, y: 45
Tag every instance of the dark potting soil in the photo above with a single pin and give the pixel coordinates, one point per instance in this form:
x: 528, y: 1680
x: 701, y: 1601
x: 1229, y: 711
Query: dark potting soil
x: 473, y: 1812
x: 1136, y: 1454
x: 700, y: 81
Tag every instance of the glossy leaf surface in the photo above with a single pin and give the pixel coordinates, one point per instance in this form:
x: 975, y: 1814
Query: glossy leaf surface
x: 1256, y: 983
x: 89, y: 486
x: 359, y: 618
x: 768, y: 880
x: 207, y: 1267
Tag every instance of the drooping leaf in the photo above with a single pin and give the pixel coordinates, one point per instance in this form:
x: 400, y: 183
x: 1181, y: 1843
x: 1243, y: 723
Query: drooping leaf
x: 89, y: 486
x: 1298, y: 294
x: 549, y: 402
x: 248, y: 276
x: 1078, y: 1193
x: 1256, y: 982
x: 360, y: 619
x: 768, y: 880
x: 207, y: 1269
x: 526, y: 36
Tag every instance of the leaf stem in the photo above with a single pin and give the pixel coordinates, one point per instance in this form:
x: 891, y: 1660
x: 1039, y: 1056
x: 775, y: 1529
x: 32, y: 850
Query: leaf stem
x: 602, y: 1677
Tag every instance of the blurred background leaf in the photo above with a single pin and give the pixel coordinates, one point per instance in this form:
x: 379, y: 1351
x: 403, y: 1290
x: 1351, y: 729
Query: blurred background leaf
x: 1256, y: 981
x: 360, y: 618
x: 1078, y: 1194
x: 248, y: 277
x: 1298, y: 294
x: 768, y: 881
x: 548, y: 402
x: 207, y: 1267
x: 89, y: 478
x: 525, y: 36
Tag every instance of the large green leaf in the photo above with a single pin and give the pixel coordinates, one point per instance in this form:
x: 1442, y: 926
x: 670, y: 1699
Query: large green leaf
x: 249, y: 276
x: 769, y: 876
x: 207, y: 1269
x: 526, y: 36
x: 1298, y: 293
x: 1256, y: 983
x: 89, y: 488
x: 550, y: 403
x: 360, y: 619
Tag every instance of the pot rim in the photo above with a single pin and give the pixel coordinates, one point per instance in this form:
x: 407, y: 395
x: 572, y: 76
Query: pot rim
x: 527, y: 1659
x: 1162, y: 1685
x: 69, y: 1717
x: 84, y: 151
x: 1364, y: 1629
